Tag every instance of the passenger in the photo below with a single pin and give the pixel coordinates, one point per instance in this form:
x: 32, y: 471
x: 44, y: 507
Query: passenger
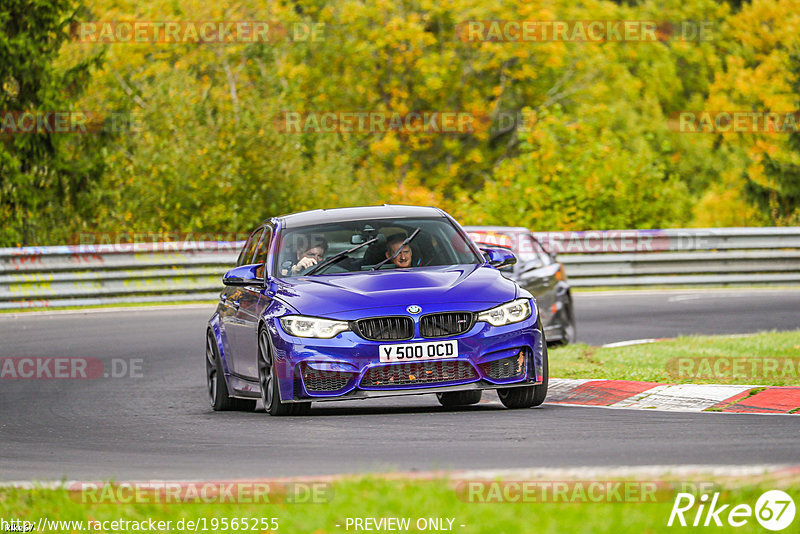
x: 308, y: 256
x: 392, y: 245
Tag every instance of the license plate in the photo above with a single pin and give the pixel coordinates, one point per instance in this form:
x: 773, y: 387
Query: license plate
x: 434, y: 350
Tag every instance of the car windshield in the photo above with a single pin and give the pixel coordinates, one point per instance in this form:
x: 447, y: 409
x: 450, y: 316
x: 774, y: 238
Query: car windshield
x: 364, y: 245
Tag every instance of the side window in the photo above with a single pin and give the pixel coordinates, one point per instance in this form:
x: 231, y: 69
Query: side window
x: 262, y: 250
x: 546, y: 258
x: 530, y: 250
x: 249, y: 248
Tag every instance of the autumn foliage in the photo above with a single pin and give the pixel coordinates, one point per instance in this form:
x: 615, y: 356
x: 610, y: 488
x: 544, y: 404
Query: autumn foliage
x: 565, y: 134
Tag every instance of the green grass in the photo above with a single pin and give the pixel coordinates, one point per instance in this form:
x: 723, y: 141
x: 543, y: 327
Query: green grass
x: 378, y: 497
x: 694, y: 359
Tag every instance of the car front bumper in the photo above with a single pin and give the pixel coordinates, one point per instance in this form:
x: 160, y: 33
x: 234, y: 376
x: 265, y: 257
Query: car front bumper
x: 349, y: 367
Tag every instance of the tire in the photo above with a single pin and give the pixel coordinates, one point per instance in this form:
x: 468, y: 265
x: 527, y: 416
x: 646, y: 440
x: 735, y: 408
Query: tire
x: 540, y: 391
x: 528, y: 396
x: 216, y: 387
x: 268, y: 382
x: 569, y: 332
x: 459, y: 398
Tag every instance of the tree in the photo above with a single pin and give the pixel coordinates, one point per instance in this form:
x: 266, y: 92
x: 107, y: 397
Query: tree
x: 778, y: 194
x: 43, y: 175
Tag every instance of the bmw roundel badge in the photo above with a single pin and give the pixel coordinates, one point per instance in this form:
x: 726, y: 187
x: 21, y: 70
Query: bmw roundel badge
x: 413, y: 309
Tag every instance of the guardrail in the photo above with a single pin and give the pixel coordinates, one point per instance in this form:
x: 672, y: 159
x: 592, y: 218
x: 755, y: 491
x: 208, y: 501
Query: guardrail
x: 40, y: 277
x: 707, y: 256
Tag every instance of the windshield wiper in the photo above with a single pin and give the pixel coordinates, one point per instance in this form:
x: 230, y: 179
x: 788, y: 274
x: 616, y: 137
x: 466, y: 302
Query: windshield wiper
x: 399, y: 249
x: 339, y: 256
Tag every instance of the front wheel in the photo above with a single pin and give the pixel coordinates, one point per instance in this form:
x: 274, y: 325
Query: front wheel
x: 528, y: 396
x: 268, y: 379
x: 215, y: 381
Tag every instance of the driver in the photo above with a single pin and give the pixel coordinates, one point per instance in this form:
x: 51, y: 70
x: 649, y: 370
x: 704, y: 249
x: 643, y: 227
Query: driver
x: 310, y: 252
x: 403, y: 259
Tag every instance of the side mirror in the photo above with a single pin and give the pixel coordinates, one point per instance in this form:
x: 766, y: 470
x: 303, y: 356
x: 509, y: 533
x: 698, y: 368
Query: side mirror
x: 499, y: 257
x: 245, y: 275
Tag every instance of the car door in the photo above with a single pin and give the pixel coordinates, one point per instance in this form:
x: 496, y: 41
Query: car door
x: 536, y: 272
x: 232, y: 302
x: 252, y: 302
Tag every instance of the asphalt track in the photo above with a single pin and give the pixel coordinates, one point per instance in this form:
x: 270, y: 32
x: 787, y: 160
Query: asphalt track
x: 158, y: 425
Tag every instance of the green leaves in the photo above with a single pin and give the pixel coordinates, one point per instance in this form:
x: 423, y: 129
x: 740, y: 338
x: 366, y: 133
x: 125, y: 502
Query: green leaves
x: 568, y: 135
x: 44, y: 176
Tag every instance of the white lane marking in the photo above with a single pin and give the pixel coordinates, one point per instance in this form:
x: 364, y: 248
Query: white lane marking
x: 682, y: 397
x: 680, y: 298
x: 734, y: 295
x: 632, y: 342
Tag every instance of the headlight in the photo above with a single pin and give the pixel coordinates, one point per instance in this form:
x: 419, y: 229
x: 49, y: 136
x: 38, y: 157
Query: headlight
x: 510, y: 312
x: 301, y: 326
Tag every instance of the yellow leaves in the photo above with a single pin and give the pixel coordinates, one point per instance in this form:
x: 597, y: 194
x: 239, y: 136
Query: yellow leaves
x: 525, y: 72
x: 765, y: 147
x: 298, y: 71
x: 722, y: 205
x: 386, y: 145
x: 522, y: 52
x: 434, y: 83
x: 767, y: 25
x: 401, y: 160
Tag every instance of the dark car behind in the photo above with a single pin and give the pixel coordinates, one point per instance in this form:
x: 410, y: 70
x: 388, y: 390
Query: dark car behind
x: 538, y: 271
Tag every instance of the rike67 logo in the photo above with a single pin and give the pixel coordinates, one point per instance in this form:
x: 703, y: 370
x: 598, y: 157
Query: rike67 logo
x: 774, y: 510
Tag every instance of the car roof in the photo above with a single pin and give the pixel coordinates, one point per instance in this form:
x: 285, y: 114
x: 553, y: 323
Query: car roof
x: 485, y: 229
x: 306, y: 218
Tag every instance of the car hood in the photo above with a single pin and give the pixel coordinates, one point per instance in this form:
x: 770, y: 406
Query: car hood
x: 463, y: 284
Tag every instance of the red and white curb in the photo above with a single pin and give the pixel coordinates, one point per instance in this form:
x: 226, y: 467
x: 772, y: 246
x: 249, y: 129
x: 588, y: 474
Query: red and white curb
x: 675, y: 397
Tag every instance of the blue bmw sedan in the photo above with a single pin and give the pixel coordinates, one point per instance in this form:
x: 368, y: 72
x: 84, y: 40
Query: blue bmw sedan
x: 356, y: 303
